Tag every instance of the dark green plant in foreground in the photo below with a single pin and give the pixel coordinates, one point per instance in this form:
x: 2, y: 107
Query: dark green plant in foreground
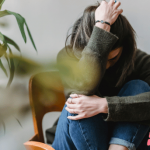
x: 5, y: 50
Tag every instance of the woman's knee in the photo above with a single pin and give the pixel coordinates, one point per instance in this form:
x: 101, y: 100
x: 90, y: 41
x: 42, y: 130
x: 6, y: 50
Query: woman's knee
x: 134, y: 87
x: 138, y: 83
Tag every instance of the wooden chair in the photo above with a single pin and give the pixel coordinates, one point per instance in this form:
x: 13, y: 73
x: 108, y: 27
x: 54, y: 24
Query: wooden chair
x: 46, y: 94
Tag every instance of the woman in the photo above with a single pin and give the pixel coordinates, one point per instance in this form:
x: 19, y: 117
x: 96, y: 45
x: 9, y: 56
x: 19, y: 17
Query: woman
x: 111, y: 81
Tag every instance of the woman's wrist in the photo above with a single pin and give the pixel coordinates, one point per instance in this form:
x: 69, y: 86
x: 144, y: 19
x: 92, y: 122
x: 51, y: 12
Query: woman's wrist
x: 105, y: 27
x: 103, y: 105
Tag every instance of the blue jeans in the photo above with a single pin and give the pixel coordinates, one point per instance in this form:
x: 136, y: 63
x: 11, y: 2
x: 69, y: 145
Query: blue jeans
x: 96, y: 134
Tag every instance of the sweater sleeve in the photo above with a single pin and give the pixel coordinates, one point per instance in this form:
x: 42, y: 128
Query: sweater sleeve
x: 129, y: 108
x: 133, y: 108
x: 82, y: 75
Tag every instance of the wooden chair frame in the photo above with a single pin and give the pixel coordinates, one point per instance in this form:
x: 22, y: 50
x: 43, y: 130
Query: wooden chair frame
x: 38, y: 85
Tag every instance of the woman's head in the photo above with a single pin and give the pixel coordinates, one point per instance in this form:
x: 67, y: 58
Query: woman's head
x: 125, y: 47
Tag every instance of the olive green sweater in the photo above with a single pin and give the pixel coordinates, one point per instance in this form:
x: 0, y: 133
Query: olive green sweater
x: 88, y: 75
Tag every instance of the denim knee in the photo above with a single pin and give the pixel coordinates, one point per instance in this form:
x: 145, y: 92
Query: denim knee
x: 134, y: 87
x: 136, y: 83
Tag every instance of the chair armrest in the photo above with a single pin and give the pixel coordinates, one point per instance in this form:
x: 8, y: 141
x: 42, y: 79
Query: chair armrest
x: 31, y: 145
x: 35, y: 138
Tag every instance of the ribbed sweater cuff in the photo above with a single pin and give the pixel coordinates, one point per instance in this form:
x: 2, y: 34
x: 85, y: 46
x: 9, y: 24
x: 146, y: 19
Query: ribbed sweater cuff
x: 113, y: 105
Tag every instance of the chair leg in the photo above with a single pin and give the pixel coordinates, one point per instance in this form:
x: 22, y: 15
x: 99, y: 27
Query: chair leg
x: 31, y: 145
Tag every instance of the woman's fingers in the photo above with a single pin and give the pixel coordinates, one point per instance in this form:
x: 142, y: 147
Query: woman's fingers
x: 117, y: 4
x: 74, y: 95
x: 75, y: 117
x: 73, y: 111
x: 119, y: 11
x: 103, y: 1
x: 111, y: 2
x: 71, y: 106
x: 72, y: 100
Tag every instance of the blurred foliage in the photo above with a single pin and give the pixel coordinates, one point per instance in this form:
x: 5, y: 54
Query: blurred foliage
x: 4, y: 23
x: 24, y: 67
x: 5, y: 50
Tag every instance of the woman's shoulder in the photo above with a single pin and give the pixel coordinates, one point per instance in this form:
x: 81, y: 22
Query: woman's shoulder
x: 139, y: 52
x: 142, y: 59
x: 141, y: 55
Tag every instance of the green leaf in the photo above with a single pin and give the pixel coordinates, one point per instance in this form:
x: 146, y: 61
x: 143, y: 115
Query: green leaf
x: 12, y: 68
x: 10, y: 41
x: 7, y: 59
x: 3, y: 49
x: 3, y: 68
x: 7, y: 40
x: 2, y: 38
x: 26, y: 66
x: 30, y: 35
x: 18, y: 121
x: 4, y: 13
x: 21, y: 22
x: 1, y: 3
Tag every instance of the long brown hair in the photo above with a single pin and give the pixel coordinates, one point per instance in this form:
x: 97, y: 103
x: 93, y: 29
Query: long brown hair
x: 82, y: 30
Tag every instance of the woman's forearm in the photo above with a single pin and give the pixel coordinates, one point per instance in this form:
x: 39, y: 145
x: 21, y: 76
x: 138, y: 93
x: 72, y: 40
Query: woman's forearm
x: 85, y: 74
x: 103, y: 26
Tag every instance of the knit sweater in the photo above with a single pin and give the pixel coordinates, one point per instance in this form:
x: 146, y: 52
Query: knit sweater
x: 84, y: 72
x: 88, y: 75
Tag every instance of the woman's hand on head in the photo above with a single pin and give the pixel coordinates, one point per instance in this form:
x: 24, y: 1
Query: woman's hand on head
x: 108, y: 11
x: 85, y: 106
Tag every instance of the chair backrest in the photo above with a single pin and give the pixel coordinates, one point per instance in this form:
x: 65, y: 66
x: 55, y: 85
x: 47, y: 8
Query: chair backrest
x: 46, y: 94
